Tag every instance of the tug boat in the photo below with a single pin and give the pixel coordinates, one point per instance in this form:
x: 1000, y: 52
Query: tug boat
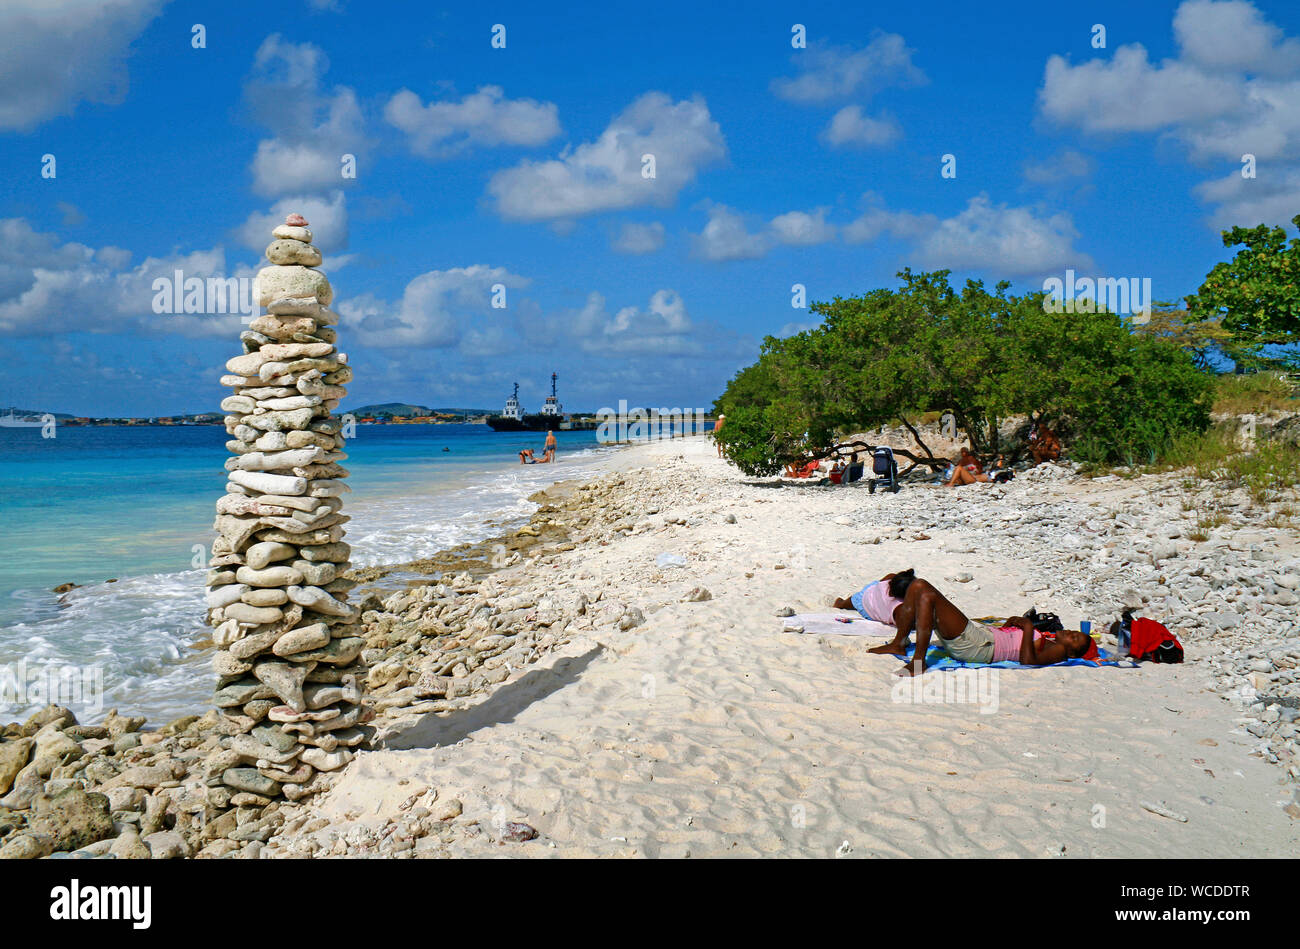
x: 513, y: 418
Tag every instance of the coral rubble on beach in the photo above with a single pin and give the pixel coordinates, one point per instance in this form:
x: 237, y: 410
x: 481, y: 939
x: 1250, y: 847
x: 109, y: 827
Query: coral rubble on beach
x: 566, y: 690
x: 288, y: 689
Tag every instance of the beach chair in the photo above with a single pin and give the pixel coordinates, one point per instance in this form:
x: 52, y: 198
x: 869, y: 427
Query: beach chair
x: 885, y: 467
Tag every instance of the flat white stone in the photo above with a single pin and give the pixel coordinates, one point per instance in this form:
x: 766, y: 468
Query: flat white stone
x: 270, y: 483
x: 292, y: 232
x: 275, y: 283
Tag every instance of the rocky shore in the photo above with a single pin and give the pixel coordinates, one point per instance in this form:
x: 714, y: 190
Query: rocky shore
x: 118, y: 789
x: 674, y: 574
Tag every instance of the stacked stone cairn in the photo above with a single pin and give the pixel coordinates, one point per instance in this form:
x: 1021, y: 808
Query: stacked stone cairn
x: 289, y: 680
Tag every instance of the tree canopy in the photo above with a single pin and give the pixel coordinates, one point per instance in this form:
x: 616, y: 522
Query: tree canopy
x: 981, y: 355
x: 1199, y: 338
x: 1256, y: 295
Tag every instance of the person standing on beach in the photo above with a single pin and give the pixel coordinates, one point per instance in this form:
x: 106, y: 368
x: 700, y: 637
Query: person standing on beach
x: 550, y: 444
x: 717, y: 427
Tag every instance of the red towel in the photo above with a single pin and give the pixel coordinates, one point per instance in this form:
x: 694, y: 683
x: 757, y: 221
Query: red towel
x: 1147, y: 635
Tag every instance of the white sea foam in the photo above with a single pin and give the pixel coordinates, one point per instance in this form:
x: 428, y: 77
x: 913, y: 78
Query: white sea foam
x: 140, y: 633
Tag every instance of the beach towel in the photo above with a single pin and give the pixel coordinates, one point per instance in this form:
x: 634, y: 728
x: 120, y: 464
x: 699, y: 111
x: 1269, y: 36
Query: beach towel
x: 835, y: 624
x: 936, y: 658
x: 832, y: 624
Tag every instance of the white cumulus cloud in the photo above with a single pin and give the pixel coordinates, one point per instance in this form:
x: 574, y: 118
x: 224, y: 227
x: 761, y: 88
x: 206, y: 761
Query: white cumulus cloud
x: 485, y: 117
x: 57, y: 53
x: 606, y: 174
x: 327, y: 218
x: 877, y: 221
x: 827, y: 72
x: 635, y: 238
x: 850, y: 127
x: 1232, y: 90
x: 1246, y: 202
x: 1063, y: 166
x: 48, y: 288
x: 313, y: 128
x: 438, y: 309
x: 1233, y: 36
x: 662, y: 327
x: 1011, y: 241
x: 803, y: 228
x: 727, y: 237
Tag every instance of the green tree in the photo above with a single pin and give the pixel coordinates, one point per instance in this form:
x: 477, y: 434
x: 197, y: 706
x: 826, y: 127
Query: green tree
x: 980, y: 355
x: 1199, y: 338
x: 1256, y: 295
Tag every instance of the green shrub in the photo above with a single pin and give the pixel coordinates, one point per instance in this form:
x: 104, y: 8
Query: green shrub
x: 1118, y: 398
x: 1255, y: 393
x: 1267, y: 472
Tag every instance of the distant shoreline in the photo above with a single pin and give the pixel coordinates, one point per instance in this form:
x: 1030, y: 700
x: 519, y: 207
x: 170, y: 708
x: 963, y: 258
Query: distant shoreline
x: 189, y: 421
x: 219, y: 422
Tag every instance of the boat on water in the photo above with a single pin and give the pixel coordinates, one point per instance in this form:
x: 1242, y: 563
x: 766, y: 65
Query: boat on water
x: 513, y: 418
x: 11, y: 420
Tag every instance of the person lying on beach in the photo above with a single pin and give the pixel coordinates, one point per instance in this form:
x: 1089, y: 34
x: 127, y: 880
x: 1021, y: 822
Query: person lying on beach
x: 880, y: 599
x: 926, y: 610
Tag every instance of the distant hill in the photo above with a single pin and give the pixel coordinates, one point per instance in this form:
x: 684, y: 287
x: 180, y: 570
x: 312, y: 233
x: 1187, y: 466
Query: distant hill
x: 399, y: 409
x: 407, y: 410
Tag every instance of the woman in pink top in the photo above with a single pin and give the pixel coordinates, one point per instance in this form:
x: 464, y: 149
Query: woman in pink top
x: 1011, y: 643
x: 1007, y: 641
x: 879, y: 599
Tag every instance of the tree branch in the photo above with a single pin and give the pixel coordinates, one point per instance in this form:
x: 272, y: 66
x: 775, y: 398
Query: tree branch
x: 935, y: 464
x: 916, y: 436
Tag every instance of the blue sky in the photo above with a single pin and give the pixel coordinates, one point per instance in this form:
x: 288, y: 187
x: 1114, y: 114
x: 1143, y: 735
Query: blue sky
x: 521, y: 166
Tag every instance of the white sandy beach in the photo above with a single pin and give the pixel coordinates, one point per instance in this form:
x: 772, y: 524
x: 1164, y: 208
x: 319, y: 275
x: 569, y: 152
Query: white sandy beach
x: 707, y: 731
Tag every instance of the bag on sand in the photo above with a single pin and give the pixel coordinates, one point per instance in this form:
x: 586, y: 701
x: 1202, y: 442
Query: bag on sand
x: 1045, y: 622
x: 1146, y: 640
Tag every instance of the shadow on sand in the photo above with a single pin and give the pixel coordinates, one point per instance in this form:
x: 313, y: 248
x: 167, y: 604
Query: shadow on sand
x: 810, y: 483
x: 434, y: 730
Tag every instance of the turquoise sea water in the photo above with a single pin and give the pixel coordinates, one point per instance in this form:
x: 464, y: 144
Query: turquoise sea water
x: 135, y: 505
